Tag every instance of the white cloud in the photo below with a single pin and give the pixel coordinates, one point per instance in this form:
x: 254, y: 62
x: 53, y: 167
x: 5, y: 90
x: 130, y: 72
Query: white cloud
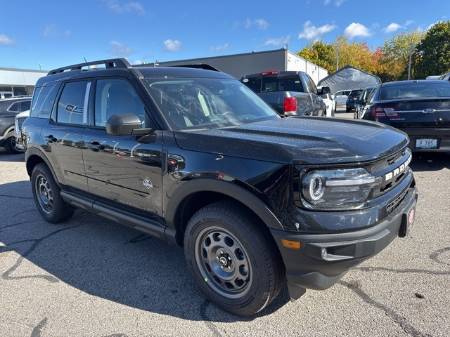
x: 356, y: 29
x: 119, y: 49
x: 172, y: 45
x: 278, y: 41
x: 260, y: 23
x: 52, y: 30
x: 336, y: 3
x: 392, y: 27
x: 5, y: 40
x: 220, y: 47
x: 119, y: 6
x: 311, y: 32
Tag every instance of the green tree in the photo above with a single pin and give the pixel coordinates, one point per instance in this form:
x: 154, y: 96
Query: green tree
x: 395, y: 55
x: 433, y: 56
x: 321, y: 54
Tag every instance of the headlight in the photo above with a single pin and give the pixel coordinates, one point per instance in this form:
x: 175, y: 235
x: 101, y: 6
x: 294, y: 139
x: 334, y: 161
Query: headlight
x: 337, y: 189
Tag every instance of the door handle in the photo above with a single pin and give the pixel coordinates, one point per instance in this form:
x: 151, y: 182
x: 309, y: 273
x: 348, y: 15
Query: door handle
x: 50, y: 139
x: 96, y: 146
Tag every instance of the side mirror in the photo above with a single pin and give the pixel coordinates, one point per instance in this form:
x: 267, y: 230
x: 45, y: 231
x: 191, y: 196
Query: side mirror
x: 122, y: 125
x: 323, y: 91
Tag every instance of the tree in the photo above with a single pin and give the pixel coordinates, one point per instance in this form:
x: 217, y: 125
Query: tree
x: 396, y: 53
x: 355, y: 54
x: 433, y: 57
x: 321, y: 54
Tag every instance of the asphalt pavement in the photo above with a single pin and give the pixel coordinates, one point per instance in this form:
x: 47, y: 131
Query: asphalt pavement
x: 93, y: 277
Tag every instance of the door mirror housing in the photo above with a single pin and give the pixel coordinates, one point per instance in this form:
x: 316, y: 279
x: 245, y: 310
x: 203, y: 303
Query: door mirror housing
x: 123, y: 125
x: 323, y: 90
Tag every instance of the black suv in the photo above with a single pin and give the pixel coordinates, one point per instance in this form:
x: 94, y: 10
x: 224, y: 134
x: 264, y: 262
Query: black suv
x: 194, y: 157
x: 9, y: 108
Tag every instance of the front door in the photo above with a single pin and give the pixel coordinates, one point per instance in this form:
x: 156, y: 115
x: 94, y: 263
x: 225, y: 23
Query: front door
x: 125, y: 170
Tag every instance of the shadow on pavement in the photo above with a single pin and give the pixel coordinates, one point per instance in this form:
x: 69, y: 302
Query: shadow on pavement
x: 103, y: 259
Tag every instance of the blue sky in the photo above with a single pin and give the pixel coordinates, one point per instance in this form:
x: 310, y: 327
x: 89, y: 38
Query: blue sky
x: 49, y: 34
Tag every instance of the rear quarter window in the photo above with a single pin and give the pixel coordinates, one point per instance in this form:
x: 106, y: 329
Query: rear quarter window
x: 43, y: 100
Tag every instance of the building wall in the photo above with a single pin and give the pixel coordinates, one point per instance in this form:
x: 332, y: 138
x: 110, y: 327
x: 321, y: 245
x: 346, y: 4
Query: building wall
x: 239, y: 65
x: 19, y: 77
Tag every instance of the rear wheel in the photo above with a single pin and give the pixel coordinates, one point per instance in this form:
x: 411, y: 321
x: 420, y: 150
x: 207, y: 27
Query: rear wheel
x: 47, y: 196
x: 235, y: 264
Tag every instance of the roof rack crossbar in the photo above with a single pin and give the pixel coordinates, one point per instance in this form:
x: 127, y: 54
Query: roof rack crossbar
x: 109, y: 63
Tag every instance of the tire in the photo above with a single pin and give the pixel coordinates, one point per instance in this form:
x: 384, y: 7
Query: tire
x: 10, y: 145
x: 47, y: 197
x: 234, y: 238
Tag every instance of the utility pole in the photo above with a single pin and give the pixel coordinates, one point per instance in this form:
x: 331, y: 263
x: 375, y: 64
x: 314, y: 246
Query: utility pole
x: 412, y: 49
x: 337, y: 56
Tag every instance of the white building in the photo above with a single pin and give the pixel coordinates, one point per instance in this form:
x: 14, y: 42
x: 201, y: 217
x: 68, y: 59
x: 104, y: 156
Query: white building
x: 16, y: 82
x: 239, y: 65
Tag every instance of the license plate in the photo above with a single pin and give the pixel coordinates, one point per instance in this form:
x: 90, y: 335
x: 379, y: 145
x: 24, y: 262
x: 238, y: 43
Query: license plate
x: 426, y: 143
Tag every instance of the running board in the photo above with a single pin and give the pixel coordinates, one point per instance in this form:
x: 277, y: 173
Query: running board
x: 140, y: 223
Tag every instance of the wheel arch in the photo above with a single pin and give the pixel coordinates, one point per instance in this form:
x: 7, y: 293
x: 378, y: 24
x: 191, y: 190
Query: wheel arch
x: 35, y: 157
x: 196, y: 194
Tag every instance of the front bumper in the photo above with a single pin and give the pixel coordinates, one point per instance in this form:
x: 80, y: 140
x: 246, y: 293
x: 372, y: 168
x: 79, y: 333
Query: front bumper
x: 324, y: 258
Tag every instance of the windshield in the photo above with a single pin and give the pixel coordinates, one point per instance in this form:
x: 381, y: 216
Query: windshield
x: 199, y: 103
x: 415, y: 90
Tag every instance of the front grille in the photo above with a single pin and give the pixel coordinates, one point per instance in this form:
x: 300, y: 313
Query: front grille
x: 397, y: 201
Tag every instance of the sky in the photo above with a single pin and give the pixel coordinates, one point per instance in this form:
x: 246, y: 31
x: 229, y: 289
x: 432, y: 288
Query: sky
x: 49, y: 34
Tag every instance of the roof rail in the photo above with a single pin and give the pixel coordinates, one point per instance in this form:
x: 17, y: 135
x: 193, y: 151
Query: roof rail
x: 109, y: 63
x: 198, y: 66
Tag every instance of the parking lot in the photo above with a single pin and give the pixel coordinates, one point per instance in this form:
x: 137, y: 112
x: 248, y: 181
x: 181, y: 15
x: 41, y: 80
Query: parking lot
x: 93, y: 277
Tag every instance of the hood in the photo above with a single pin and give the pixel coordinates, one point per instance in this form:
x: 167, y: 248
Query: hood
x: 23, y: 114
x: 303, y: 140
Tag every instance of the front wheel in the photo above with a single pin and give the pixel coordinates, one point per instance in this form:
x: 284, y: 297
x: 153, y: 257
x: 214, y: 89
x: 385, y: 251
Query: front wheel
x: 11, y: 145
x: 234, y: 263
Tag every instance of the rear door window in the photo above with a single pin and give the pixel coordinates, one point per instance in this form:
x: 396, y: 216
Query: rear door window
x: 73, y: 103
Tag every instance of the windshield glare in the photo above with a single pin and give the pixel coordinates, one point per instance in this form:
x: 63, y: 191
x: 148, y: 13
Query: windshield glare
x: 198, y: 103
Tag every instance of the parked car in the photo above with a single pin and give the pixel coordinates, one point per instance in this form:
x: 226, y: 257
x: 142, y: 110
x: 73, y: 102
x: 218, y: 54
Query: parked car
x: 19, y: 119
x: 9, y: 108
x: 340, y: 99
x: 419, y: 108
x: 194, y: 157
x: 290, y: 93
x: 330, y: 104
x: 352, y: 100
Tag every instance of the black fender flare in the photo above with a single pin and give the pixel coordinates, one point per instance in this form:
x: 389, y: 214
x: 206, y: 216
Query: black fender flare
x: 39, y: 153
x: 231, y: 190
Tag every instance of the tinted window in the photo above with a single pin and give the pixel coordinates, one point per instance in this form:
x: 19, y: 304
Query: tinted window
x: 42, y: 102
x: 73, y: 103
x: 208, y: 103
x: 355, y: 93
x: 25, y: 105
x: 270, y: 84
x: 253, y: 83
x: 117, y: 97
x: 309, y: 82
x: 415, y: 90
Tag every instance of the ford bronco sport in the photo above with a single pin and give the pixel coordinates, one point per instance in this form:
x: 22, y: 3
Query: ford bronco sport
x: 194, y: 157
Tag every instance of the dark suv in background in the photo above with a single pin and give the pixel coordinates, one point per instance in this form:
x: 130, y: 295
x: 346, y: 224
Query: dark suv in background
x: 290, y: 93
x: 9, y: 108
x: 194, y: 157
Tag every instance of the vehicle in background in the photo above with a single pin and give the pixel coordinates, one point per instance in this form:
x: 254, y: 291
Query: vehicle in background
x: 433, y: 77
x: 9, y: 108
x: 5, y: 94
x: 419, y: 108
x: 362, y: 102
x: 19, y: 119
x: 194, y: 157
x: 290, y: 93
x: 330, y: 104
x: 352, y: 100
x: 340, y: 100
x: 445, y: 77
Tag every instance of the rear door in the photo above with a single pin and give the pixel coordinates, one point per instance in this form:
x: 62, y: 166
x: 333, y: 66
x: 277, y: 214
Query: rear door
x: 316, y: 101
x: 63, y: 137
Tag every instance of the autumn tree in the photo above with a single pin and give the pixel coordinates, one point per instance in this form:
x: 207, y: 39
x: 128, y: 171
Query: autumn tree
x: 396, y: 53
x: 321, y: 54
x: 433, y: 52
